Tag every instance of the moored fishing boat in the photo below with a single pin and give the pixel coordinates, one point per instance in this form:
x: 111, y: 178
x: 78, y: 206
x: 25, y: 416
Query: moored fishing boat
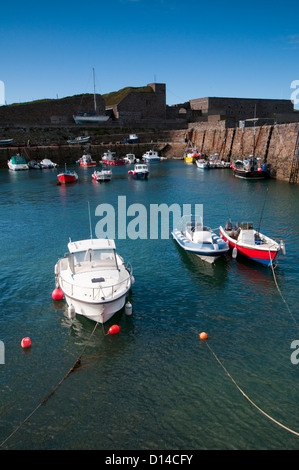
x: 102, y: 176
x: 67, y: 176
x: 110, y: 158
x: 191, y: 154
x: 93, y: 278
x: 200, y: 240
x: 202, y: 164
x: 250, y: 169
x: 130, y: 158
x: 140, y: 172
x: 78, y: 140
x: 86, y: 161
x: 151, y: 156
x: 250, y: 243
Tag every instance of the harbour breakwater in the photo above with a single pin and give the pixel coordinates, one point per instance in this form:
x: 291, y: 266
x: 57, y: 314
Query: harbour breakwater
x: 273, y: 144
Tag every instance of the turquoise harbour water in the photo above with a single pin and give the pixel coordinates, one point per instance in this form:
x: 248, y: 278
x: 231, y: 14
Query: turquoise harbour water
x: 155, y: 385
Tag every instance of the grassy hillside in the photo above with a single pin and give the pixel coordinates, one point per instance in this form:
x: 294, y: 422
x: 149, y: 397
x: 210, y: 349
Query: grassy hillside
x: 116, y: 96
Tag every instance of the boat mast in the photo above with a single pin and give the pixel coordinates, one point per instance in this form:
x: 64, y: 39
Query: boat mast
x: 253, y: 152
x: 94, y: 93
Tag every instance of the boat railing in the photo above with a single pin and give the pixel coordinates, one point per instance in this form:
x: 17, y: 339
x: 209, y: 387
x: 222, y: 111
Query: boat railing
x: 101, y: 292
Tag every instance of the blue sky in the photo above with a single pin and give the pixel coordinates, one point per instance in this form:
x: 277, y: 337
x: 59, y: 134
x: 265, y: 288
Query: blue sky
x: 197, y: 48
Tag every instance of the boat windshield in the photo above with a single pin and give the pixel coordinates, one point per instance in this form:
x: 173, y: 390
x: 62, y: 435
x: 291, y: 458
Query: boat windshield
x: 247, y: 226
x: 99, y: 259
x: 18, y: 159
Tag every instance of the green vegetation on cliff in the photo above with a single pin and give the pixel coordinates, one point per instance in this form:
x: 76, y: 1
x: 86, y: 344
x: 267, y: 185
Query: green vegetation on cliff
x: 116, y: 97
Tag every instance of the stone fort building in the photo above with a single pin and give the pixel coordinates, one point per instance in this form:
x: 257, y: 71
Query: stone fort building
x: 146, y: 107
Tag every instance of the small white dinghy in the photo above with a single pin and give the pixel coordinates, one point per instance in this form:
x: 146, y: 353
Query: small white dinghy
x: 93, y: 278
x: 195, y: 238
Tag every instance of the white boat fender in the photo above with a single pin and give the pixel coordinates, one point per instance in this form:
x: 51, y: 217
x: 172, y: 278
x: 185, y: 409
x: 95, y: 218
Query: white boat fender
x: 132, y: 279
x: 282, y: 247
x: 128, y: 308
x: 235, y: 252
x: 71, y: 312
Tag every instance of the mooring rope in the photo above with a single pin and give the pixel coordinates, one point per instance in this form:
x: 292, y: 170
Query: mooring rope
x: 279, y: 291
x: 51, y: 393
x: 247, y: 397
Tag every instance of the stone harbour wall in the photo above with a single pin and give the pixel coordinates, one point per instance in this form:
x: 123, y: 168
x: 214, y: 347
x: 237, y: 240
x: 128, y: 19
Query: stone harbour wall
x: 273, y: 144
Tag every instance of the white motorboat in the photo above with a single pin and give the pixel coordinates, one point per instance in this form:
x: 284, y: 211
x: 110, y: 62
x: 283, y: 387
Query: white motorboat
x: 140, y: 171
x: 17, y: 163
x: 151, y: 156
x: 102, y: 176
x: 130, y: 158
x: 195, y: 238
x: 93, y: 278
x: 47, y: 163
x: 202, y: 164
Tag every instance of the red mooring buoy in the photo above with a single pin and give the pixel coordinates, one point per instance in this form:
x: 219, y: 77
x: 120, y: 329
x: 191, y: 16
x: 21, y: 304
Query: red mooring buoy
x: 114, y: 329
x: 57, y: 294
x: 26, y: 342
x: 203, y: 335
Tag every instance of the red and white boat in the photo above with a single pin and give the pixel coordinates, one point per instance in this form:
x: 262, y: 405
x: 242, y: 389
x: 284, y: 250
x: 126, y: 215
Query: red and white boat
x: 86, y: 161
x: 102, y: 176
x: 67, y: 177
x: 251, y: 244
x: 109, y: 158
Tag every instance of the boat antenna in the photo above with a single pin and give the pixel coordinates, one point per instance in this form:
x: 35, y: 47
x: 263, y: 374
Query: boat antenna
x: 262, y: 211
x: 228, y: 211
x: 89, y: 221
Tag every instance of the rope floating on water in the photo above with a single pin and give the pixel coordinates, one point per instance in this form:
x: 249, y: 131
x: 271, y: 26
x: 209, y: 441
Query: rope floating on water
x: 51, y: 393
x: 247, y: 397
x: 280, y: 293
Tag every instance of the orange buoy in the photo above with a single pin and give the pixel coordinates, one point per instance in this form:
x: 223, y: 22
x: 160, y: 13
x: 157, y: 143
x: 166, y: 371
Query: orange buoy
x: 57, y: 294
x: 26, y: 342
x: 203, y: 335
x: 114, y: 329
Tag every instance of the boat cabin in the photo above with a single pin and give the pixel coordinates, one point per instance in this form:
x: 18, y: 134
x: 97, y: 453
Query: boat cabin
x: 141, y: 167
x: 86, y: 255
x: 18, y: 160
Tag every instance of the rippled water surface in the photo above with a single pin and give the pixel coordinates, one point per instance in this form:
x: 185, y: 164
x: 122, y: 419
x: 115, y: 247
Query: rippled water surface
x: 155, y: 385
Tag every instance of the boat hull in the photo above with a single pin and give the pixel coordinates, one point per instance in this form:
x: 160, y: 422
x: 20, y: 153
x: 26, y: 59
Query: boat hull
x: 251, y: 175
x: 257, y: 254
x: 65, y: 178
x: 114, y: 162
x: 87, y: 165
x: 18, y: 167
x: 138, y: 175
x: 99, y: 312
x: 102, y: 177
x: 90, y: 119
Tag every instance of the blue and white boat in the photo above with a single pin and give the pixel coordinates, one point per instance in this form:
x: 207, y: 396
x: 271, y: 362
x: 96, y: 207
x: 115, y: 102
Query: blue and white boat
x: 151, y: 156
x: 140, y: 171
x: 202, y: 164
x: 195, y: 238
x: 79, y: 140
x: 6, y: 141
